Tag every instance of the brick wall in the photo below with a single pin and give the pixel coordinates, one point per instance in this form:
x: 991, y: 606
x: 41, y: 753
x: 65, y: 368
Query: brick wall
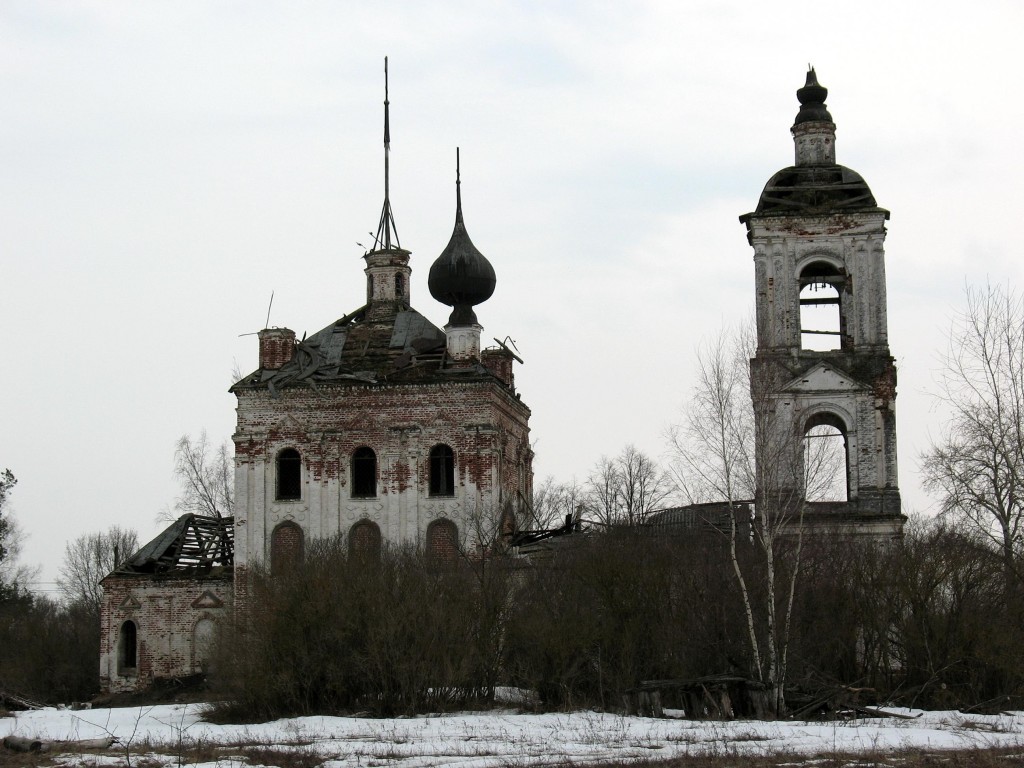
x: 168, y: 614
x: 277, y: 345
x: 483, y: 422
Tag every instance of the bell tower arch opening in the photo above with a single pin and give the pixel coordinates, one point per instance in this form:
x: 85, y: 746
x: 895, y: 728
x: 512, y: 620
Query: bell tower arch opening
x: 826, y: 459
x: 822, y: 315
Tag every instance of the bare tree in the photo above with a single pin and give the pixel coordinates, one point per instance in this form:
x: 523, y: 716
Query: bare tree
x: 88, y: 559
x: 553, y: 502
x: 736, y: 446
x: 626, y: 489
x: 7, y: 482
x: 602, y: 491
x: 977, y: 465
x: 207, y: 477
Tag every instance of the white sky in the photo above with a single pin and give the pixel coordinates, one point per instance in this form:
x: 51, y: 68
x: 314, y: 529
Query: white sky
x: 165, y: 166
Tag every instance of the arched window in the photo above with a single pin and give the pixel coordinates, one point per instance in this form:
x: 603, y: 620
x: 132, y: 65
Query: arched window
x: 442, y: 541
x: 826, y: 459
x: 364, y: 540
x: 128, y: 649
x: 821, y: 310
x: 289, y: 475
x: 364, y: 473
x: 399, y: 285
x: 202, y: 644
x: 287, y: 546
x: 442, y: 471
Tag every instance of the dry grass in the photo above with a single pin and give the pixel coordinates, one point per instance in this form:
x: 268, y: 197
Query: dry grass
x: 304, y: 756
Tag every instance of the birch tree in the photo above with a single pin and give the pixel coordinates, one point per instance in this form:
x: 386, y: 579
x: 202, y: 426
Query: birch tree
x: 734, y: 447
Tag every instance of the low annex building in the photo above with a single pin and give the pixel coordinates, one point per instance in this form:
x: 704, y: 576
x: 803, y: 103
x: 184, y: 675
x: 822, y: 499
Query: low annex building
x: 161, y: 606
x: 379, y: 427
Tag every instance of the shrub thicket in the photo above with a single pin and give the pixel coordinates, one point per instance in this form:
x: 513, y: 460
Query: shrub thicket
x: 390, y: 634
x: 926, y: 620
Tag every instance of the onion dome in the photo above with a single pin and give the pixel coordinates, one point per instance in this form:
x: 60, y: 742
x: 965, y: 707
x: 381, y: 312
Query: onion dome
x: 812, y: 101
x: 461, y: 277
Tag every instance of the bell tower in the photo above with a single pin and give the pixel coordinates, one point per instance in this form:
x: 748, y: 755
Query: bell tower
x: 822, y: 366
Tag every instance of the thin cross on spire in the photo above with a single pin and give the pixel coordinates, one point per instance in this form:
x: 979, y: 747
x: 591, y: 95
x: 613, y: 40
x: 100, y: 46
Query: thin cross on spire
x: 386, y: 229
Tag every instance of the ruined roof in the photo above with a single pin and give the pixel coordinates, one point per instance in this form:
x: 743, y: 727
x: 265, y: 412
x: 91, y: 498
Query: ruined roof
x: 366, y: 347
x: 191, y: 545
x: 816, y: 189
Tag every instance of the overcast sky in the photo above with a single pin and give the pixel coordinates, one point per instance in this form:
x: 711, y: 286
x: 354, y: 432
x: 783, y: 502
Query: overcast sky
x: 165, y: 166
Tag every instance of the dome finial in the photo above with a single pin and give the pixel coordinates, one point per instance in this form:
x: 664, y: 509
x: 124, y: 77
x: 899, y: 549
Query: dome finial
x: 812, y: 101
x: 458, y: 188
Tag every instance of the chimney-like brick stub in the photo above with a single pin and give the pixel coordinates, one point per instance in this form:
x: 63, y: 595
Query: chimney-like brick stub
x: 277, y: 345
x: 499, y: 362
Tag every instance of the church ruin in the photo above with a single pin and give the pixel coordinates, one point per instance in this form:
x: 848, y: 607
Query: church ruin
x: 383, y: 427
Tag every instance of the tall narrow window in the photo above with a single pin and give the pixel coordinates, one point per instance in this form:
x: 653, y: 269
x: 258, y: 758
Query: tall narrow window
x: 202, y: 644
x: 364, y: 473
x: 442, y: 471
x: 399, y: 285
x: 287, y: 546
x: 128, y: 649
x: 289, y: 475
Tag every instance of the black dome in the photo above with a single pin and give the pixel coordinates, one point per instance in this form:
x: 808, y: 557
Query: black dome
x: 818, y: 188
x: 461, y: 276
x: 812, y: 101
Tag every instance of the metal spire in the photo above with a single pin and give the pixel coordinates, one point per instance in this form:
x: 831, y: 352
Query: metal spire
x: 458, y: 188
x: 386, y: 228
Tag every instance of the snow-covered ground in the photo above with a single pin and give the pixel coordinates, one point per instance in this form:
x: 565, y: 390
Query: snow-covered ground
x: 484, y: 740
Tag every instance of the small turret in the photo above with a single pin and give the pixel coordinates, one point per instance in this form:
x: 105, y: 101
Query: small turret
x: 387, y: 263
x: 814, y: 133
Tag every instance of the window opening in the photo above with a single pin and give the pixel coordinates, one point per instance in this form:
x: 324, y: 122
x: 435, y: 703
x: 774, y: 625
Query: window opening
x: 442, y: 471
x: 129, y: 647
x: 821, y: 311
x: 399, y: 285
x: 364, y: 473
x: 289, y: 475
x: 826, y: 462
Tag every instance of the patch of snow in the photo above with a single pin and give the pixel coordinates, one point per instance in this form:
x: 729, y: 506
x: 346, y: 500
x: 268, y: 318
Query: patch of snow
x: 493, y: 739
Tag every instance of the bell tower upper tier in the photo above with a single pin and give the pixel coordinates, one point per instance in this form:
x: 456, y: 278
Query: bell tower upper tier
x: 818, y: 238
